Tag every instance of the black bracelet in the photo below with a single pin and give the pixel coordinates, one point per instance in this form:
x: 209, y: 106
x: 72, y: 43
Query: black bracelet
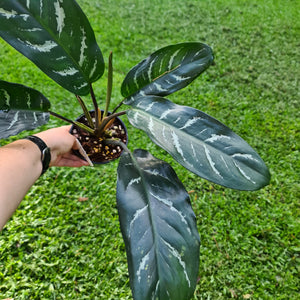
x: 45, y: 151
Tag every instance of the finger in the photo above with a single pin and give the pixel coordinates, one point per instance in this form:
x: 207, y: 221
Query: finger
x: 70, y: 160
x: 64, y: 162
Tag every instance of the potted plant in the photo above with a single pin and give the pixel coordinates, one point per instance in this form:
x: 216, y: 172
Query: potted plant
x: 156, y: 217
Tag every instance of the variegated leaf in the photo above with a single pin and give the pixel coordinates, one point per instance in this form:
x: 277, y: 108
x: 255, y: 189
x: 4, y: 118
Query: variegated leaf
x: 57, y: 37
x: 200, y: 143
x: 15, y: 121
x: 21, y: 108
x: 159, y: 228
x: 167, y: 70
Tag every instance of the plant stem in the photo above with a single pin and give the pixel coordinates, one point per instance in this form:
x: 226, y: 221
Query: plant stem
x: 117, y: 142
x: 78, y: 124
x: 105, y: 121
x: 118, y: 106
x: 61, y: 117
x: 95, y: 106
x: 84, y: 127
x: 86, y: 112
x: 109, y: 85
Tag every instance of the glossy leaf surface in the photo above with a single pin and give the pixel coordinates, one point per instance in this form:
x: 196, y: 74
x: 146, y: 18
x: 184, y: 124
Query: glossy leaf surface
x: 158, y: 227
x: 21, y: 108
x: 200, y: 143
x: 57, y: 37
x: 167, y: 70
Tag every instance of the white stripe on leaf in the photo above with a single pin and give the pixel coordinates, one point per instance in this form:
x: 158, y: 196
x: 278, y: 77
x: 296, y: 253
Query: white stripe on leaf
x: 190, y: 122
x: 224, y: 161
x: 194, y: 153
x: 61, y: 58
x: 80, y: 87
x: 60, y: 17
x: 12, y: 14
x: 177, y: 144
x: 216, y: 137
x: 172, y: 59
x: 93, y: 69
x: 8, y: 14
x: 161, y: 64
x: 143, y: 266
x: 25, y: 17
x: 164, y: 201
x: 46, y: 47
x: 173, y: 209
x: 177, y: 255
x: 14, y: 120
x: 150, y: 69
x: 151, y: 126
x: 165, y: 113
x: 67, y: 72
x: 200, y: 51
x: 41, y: 7
x: 149, y: 107
x: 7, y: 97
x: 246, y: 156
x: 243, y: 172
x: 45, y: 116
x: 156, y: 289
x: 135, y: 118
x: 159, y: 87
x: 30, y: 29
x: 28, y: 101
x: 35, y: 118
x: 202, y: 131
x: 82, y: 48
x: 136, y: 216
x: 133, y: 181
x: 135, y: 79
x: 177, y: 120
x: 180, y: 78
x: 211, y: 162
x: 152, y: 172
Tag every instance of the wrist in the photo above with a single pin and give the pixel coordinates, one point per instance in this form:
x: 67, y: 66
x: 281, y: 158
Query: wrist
x: 44, y: 149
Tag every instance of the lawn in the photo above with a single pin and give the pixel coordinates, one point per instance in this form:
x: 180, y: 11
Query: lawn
x: 64, y: 241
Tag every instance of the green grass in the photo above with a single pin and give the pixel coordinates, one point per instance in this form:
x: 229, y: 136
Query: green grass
x: 57, y: 247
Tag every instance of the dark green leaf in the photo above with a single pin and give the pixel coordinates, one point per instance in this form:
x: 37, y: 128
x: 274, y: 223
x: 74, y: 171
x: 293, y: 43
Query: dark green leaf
x: 21, y: 108
x: 167, y: 70
x: 20, y: 97
x: 159, y: 228
x: 200, y: 143
x: 57, y: 37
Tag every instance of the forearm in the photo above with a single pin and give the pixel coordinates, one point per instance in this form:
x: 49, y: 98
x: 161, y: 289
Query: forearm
x: 20, y: 167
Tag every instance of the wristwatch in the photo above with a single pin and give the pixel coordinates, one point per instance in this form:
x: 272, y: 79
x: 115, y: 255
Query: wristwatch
x: 45, y: 151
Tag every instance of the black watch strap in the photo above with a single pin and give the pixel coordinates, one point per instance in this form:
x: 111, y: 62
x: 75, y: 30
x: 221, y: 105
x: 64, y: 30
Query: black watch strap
x: 45, y: 151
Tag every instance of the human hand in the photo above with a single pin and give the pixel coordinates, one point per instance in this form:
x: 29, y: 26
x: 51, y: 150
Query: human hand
x: 61, y: 144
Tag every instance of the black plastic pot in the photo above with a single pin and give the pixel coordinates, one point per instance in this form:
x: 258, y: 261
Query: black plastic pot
x: 97, y: 150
